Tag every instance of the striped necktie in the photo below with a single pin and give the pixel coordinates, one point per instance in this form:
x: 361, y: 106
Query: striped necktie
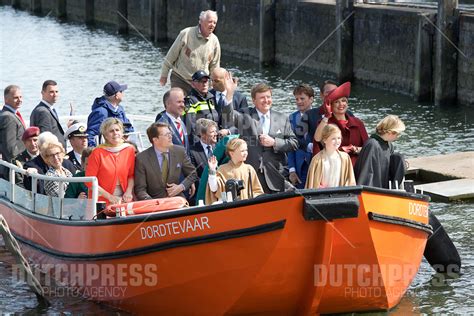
x: 180, y: 131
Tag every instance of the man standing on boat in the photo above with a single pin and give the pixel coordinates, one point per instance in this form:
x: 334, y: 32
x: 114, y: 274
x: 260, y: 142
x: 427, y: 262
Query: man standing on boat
x: 12, y: 125
x: 45, y: 115
x: 239, y: 101
x: 267, y: 132
x: 107, y: 106
x: 173, y: 101
x: 195, y: 48
x: 159, y: 170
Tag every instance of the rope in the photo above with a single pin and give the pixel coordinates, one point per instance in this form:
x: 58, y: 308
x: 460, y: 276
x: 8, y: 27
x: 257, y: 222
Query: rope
x: 12, y: 245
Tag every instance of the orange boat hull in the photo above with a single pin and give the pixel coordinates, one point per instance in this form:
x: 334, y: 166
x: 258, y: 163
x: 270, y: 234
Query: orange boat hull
x: 260, y: 256
x: 374, y: 261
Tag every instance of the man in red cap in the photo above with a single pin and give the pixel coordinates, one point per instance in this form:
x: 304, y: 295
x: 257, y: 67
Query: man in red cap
x: 30, y: 140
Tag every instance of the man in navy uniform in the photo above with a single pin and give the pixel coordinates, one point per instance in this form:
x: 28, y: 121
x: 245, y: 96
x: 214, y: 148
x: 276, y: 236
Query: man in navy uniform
x: 77, y: 136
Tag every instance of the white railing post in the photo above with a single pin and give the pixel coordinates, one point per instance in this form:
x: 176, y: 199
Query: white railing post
x: 95, y: 195
x: 11, y: 175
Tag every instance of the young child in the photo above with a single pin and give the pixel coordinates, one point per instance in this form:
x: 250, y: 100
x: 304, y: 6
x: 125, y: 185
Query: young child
x: 330, y: 167
x: 235, y: 168
x: 378, y: 164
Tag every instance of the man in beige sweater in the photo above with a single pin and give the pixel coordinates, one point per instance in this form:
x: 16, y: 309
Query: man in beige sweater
x: 195, y: 48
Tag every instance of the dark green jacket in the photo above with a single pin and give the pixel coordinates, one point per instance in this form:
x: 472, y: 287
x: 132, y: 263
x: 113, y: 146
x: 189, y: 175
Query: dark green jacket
x: 75, y: 188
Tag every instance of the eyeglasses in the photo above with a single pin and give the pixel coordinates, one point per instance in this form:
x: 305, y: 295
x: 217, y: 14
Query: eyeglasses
x: 166, y: 134
x: 57, y: 154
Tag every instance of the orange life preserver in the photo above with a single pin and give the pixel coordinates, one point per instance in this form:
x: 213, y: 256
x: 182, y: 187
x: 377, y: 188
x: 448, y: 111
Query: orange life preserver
x: 146, y: 206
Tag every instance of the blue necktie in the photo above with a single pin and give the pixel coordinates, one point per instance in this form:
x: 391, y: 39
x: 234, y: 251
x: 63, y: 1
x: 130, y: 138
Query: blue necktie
x: 55, y: 113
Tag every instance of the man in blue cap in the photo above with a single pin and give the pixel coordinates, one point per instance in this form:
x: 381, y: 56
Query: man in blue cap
x: 104, y: 107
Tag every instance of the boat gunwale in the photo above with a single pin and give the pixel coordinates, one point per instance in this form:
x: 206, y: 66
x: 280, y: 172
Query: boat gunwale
x: 195, y: 210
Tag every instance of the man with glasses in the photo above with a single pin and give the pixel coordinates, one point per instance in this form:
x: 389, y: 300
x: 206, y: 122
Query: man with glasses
x: 199, y: 103
x: 160, y: 168
x: 107, y: 106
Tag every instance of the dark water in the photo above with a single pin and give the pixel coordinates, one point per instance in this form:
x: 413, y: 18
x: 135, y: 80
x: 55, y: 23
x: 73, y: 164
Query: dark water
x: 82, y: 60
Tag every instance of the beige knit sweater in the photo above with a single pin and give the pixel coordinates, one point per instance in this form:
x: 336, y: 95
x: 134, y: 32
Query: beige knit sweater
x: 191, y: 52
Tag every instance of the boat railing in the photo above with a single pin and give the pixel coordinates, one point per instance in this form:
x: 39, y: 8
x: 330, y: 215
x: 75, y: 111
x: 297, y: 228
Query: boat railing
x: 58, y: 207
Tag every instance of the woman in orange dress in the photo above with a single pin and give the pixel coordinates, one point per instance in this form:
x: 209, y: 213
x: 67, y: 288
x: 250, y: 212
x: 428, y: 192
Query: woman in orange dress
x: 113, y: 163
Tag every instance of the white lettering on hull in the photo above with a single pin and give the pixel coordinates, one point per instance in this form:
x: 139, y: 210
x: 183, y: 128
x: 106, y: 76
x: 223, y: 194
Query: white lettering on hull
x: 175, y: 228
x: 418, y: 209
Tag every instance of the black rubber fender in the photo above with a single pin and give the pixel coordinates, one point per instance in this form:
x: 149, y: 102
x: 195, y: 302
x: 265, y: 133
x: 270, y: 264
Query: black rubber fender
x: 440, y: 251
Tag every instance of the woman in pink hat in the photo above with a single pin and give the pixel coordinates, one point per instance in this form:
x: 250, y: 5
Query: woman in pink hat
x: 352, y: 129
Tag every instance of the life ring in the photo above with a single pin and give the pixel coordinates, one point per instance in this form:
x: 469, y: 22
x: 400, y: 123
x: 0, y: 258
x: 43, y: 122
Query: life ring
x: 146, y: 206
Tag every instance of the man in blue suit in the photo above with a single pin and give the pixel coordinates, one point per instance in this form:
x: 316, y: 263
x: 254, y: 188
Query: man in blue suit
x: 173, y: 101
x: 299, y: 160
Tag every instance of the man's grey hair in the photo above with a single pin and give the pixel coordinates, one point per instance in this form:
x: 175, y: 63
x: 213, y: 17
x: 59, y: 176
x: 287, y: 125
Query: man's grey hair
x: 204, y: 14
x: 9, y: 89
x: 203, y: 124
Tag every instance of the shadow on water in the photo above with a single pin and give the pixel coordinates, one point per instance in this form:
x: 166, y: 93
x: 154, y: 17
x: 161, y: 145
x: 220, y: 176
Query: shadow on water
x: 82, y: 59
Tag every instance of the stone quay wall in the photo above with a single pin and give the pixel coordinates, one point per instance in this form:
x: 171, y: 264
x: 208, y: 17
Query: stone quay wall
x: 383, y: 46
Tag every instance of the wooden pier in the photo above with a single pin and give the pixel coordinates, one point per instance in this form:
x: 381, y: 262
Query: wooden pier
x: 446, y: 177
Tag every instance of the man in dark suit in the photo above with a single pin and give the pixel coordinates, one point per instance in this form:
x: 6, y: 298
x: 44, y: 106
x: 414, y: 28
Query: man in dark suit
x: 268, y: 134
x: 158, y: 169
x: 77, y: 135
x: 299, y: 160
x: 12, y: 126
x: 239, y: 100
x: 173, y: 101
x: 203, y: 150
x: 44, y: 115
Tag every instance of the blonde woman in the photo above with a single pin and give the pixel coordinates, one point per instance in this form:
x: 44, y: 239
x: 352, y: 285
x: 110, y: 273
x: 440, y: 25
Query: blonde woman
x: 378, y: 164
x: 330, y: 167
x: 113, y: 163
x: 237, y: 169
x: 54, y: 153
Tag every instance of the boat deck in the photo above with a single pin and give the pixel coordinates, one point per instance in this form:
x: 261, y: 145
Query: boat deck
x: 445, y: 177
